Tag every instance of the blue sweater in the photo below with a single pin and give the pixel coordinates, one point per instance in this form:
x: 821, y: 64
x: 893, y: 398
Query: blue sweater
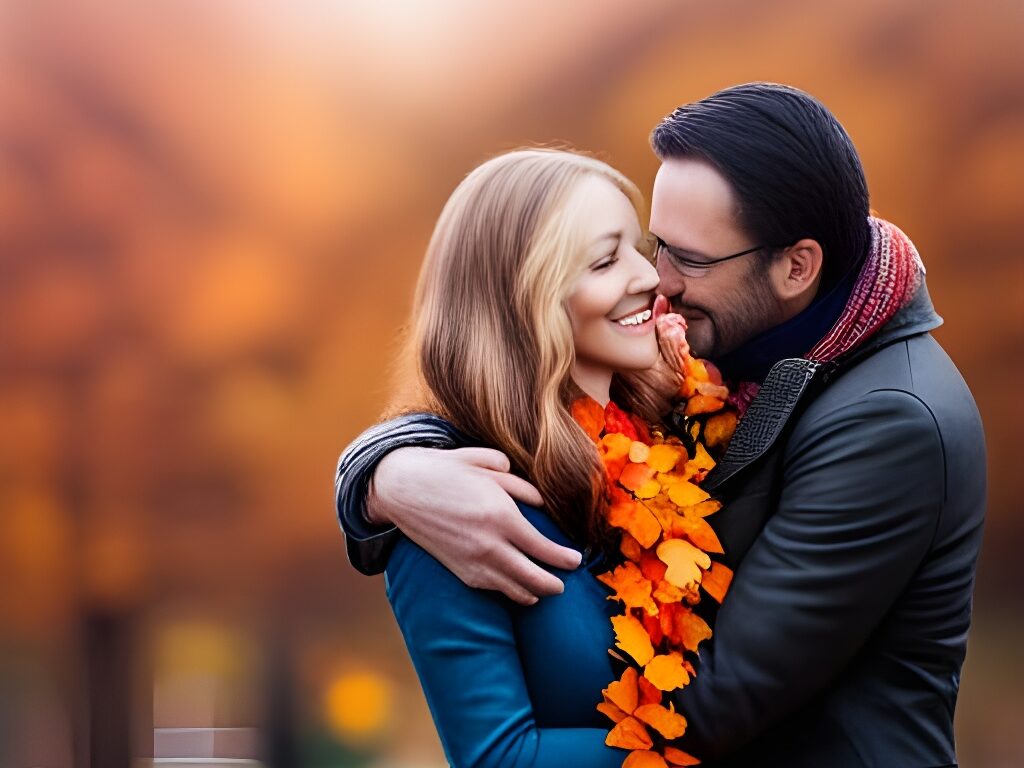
x: 507, y: 685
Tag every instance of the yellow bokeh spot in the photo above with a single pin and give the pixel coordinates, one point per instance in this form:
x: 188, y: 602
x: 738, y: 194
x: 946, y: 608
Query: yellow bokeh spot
x: 358, y: 705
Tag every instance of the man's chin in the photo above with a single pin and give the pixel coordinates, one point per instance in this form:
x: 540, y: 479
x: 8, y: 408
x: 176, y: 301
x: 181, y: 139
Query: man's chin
x: 700, y: 341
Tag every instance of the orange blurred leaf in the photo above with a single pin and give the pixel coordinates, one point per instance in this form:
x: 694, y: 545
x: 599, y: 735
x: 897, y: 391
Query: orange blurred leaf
x: 686, y: 494
x: 664, y: 458
x: 703, y: 404
x: 719, y: 428
x: 669, y: 724
x: 649, y: 692
x: 642, y: 758
x: 716, y: 581
x: 624, y: 692
x: 632, y: 638
x: 631, y: 587
x: 678, y: 757
x: 611, y: 711
x: 637, y: 519
x: 701, y: 459
x: 630, y: 547
x: 691, y: 629
x: 629, y: 733
x: 589, y: 414
x: 666, y: 671
x: 698, y: 531
x: 635, y: 475
x: 684, y: 562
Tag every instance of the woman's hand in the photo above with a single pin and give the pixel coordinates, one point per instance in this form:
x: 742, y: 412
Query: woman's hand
x: 458, y: 505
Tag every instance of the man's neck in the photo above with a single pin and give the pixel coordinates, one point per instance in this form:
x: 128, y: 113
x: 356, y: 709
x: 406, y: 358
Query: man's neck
x: 791, y: 338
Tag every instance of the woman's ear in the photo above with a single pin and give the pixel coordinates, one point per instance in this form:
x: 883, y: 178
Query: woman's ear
x: 797, y: 271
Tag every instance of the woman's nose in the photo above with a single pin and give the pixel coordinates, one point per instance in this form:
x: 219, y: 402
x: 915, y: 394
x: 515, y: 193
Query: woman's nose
x: 646, y: 278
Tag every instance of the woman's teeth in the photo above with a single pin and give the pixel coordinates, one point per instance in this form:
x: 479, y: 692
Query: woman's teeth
x: 637, y: 319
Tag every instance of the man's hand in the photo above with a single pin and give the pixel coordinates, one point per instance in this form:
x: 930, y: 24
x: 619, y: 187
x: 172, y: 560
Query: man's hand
x: 457, y: 505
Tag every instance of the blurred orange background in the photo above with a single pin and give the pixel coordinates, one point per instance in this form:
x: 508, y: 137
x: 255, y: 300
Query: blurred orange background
x: 211, y: 219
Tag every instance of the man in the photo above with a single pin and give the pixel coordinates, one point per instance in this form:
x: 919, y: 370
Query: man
x: 854, y: 487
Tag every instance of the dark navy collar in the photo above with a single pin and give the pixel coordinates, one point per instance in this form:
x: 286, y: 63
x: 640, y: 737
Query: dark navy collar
x: 793, y: 338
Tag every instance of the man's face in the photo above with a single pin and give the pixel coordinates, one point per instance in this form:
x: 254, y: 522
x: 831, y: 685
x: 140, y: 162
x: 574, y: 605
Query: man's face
x: 694, y: 212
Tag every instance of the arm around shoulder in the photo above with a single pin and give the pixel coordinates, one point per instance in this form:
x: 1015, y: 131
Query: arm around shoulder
x: 368, y: 545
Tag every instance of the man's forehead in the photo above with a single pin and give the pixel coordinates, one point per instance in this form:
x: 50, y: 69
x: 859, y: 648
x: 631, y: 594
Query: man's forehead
x: 693, y: 205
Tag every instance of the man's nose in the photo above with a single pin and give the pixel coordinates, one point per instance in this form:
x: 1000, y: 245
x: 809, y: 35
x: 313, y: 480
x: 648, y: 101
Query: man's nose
x: 672, y: 283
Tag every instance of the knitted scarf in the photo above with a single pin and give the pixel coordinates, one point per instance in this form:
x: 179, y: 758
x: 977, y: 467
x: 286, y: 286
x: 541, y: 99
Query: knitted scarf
x: 891, y: 274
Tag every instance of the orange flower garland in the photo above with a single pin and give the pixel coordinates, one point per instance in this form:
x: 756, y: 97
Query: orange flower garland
x: 655, y: 500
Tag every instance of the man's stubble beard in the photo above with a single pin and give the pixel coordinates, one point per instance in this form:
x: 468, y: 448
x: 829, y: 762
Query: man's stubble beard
x: 751, y: 310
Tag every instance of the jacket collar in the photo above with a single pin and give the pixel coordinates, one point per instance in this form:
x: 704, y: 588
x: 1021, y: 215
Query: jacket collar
x: 789, y: 380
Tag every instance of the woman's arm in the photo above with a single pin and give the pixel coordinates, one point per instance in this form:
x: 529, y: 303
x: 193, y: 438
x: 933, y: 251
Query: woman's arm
x: 463, y: 647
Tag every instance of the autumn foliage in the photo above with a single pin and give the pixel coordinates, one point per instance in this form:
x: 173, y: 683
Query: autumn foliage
x: 656, y: 502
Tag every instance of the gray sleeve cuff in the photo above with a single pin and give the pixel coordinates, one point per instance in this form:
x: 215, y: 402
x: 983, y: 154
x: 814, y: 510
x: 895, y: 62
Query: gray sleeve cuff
x: 369, y: 545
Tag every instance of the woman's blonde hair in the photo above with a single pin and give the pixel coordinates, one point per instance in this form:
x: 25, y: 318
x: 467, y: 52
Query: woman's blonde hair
x: 490, y: 330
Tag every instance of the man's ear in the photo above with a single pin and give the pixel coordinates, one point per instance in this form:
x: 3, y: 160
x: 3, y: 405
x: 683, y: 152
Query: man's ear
x: 796, y: 273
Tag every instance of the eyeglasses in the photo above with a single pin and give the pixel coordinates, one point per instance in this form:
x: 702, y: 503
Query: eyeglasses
x: 691, y: 268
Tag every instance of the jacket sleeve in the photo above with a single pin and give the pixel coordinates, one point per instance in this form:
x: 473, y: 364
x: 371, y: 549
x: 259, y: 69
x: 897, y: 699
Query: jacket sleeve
x: 463, y: 645
x: 862, y: 491
x: 368, y: 545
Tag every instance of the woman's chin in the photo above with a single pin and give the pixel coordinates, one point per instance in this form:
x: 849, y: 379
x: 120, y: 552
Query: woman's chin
x: 637, y: 363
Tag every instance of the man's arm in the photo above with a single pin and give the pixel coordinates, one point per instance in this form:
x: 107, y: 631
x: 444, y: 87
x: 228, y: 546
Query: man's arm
x: 862, y: 492
x: 370, y: 543
x: 456, y: 503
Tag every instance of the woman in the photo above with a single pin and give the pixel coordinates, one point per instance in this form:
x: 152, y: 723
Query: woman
x: 535, y: 290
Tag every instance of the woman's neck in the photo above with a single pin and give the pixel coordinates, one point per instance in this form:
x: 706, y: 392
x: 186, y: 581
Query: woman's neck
x: 595, y: 382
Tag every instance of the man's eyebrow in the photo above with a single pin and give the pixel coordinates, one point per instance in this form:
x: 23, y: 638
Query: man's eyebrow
x: 675, y: 249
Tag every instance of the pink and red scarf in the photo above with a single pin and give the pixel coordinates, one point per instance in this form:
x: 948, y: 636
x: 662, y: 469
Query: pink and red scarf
x: 891, y: 274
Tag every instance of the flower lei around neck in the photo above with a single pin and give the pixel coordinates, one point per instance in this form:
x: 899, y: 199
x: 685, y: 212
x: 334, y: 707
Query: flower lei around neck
x: 656, y: 502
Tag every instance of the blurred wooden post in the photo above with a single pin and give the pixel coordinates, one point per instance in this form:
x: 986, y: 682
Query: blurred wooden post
x: 108, y: 652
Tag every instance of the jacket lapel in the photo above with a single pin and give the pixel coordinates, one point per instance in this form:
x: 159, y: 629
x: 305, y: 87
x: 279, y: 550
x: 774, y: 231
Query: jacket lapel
x: 766, y: 417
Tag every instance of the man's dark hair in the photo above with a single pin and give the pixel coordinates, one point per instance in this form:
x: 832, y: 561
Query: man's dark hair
x: 792, y: 166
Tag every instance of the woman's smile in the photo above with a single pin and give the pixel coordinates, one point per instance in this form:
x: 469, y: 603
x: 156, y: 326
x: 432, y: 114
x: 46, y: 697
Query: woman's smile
x: 636, y: 321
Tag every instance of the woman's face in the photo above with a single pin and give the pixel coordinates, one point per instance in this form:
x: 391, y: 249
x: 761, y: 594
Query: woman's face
x: 611, y: 302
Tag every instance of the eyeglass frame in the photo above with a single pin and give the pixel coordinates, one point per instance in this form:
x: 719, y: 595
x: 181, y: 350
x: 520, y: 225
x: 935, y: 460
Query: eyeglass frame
x: 702, y: 267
